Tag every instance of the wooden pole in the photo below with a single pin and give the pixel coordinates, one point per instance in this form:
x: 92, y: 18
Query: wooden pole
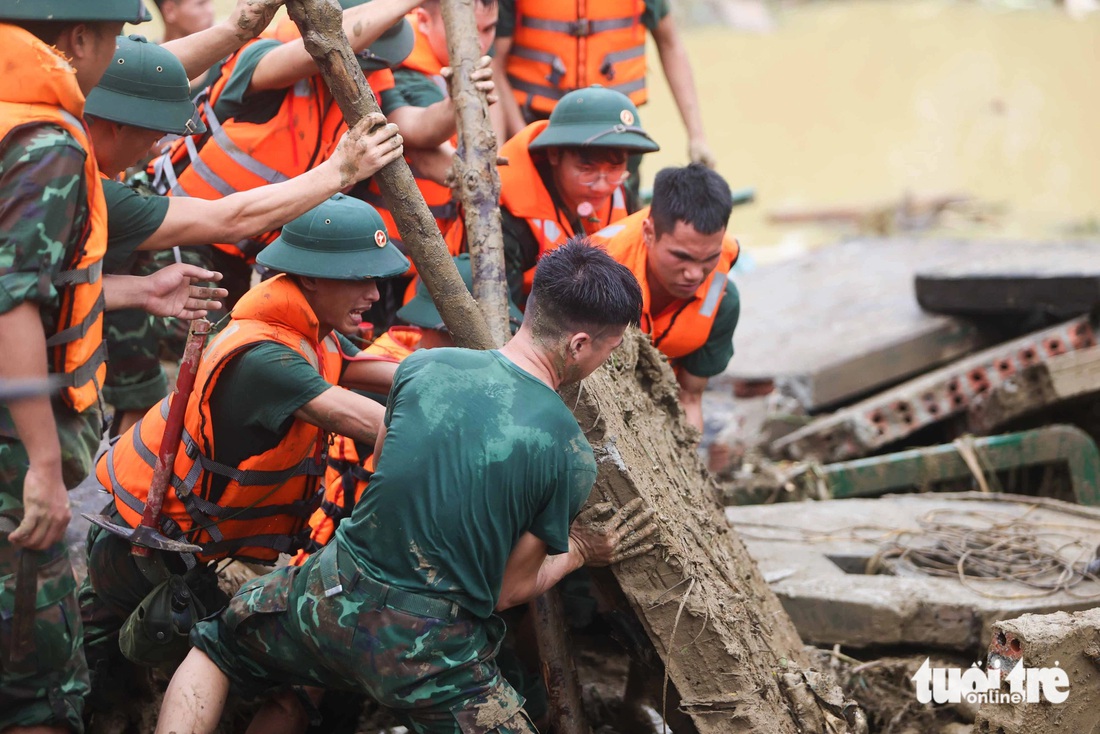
x: 477, y: 182
x: 320, y: 24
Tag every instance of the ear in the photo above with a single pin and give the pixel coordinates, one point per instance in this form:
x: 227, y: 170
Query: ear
x: 308, y: 283
x: 169, y: 12
x: 649, y: 232
x: 553, y: 156
x: 423, y: 19
x: 578, y: 342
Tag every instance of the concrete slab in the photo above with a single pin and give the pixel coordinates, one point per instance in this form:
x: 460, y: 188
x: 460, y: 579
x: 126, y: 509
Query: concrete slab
x: 1062, y: 280
x: 841, y: 321
x: 814, y: 555
x: 1060, y: 640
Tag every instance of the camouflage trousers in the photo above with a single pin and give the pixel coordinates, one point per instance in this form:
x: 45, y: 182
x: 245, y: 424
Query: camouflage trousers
x: 326, y: 624
x: 46, y: 683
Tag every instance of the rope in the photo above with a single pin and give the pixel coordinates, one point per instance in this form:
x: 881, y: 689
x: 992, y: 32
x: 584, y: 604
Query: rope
x: 975, y: 547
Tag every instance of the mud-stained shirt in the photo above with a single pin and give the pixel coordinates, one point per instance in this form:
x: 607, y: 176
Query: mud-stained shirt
x: 43, y: 214
x: 477, y: 453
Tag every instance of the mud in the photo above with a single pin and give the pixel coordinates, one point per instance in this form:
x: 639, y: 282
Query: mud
x: 707, y: 610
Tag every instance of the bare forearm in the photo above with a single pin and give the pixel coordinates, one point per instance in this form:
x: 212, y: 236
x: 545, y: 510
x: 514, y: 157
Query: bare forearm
x: 369, y: 375
x: 425, y: 127
x: 692, y: 404
x: 200, y: 51
x: 246, y: 213
x: 362, y: 24
x: 23, y: 346
x: 343, y: 412
x: 681, y: 80
x: 553, y: 569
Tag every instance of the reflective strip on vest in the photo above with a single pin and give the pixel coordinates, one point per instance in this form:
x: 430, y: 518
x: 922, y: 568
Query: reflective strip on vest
x: 238, y: 156
x: 577, y: 28
x: 439, y: 211
x: 85, y: 372
x: 80, y: 276
x: 616, y: 57
x: 557, y: 66
x: 78, y: 331
x: 206, y: 173
x: 714, y: 294
x: 550, y: 229
x: 164, y: 177
x: 610, y: 231
x: 556, y: 93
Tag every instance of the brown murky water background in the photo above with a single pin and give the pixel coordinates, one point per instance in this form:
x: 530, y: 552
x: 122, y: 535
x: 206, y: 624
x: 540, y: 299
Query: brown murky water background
x: 855, y: 104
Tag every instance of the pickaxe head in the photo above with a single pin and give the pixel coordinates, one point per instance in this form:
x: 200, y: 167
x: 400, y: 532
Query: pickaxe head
x: 142, y: 536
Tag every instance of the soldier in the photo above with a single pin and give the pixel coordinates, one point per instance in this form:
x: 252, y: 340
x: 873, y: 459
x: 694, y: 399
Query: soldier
x: 481, y: 472
x: 680, y: 253
x: 547, y: 48
x: 265, y: 398
x: 564, y: 177
x: 143, y: 96
x: 52, y: 295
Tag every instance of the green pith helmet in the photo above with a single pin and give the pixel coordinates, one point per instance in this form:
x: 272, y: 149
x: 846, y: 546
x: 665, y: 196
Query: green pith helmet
x: 75, y: 11
x: 421, y: 310
x: 145, y: 86
x: 342, y: 239
x: 598, y: 117
x: 391, y: 48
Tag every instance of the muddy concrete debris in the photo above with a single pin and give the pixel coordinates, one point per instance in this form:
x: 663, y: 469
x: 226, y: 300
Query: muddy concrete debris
x: 835, y: 577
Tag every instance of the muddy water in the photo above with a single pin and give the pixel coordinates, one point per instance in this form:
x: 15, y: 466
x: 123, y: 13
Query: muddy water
x: 857, y: 103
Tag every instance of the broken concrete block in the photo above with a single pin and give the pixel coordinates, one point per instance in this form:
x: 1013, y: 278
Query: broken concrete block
x: 897, y: 413
x: 1014, y: 280
x: 816, y: 557
x: 1030, y: 643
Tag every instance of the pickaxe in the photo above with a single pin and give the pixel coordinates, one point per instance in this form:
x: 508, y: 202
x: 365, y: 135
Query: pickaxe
x: 146, y: 537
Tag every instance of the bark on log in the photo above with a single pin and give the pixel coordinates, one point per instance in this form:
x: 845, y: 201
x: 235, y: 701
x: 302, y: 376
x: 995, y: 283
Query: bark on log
x: 477, y: 181
x: 320, y: 24
x: 726, y: 641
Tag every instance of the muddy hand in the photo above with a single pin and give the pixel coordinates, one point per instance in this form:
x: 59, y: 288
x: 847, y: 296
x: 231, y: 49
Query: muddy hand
x: 174, y: 291
x: 482, y: 77
x: 250, y: 17
x: 368, y: 148
x: 46, y: 510
x: 624, y: 536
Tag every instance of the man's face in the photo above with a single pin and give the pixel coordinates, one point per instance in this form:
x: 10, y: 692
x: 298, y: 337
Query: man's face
x: 184, y: 17
x: 133, y: 144
x: 431, y: 25
x: 580, y: 180
x: 339, y: 304
x: 90, y: 48
x: 680, y: 260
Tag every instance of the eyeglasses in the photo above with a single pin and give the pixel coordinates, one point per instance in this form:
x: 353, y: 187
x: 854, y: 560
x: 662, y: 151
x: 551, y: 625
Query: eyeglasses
x: 612, y: 178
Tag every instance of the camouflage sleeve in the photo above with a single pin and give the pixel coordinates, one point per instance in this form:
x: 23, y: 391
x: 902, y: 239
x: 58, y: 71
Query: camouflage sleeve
x: 43, y: 210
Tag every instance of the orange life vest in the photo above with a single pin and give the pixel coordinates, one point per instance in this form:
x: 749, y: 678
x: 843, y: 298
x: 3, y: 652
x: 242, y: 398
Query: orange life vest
x: 38, y: 88
x: 562, y: 45
x: 237, y: 156
x: 685, y: 324
x: 439, y: 198
x: 347, y: 475
x: 269, y: 497
x: 523, y: 194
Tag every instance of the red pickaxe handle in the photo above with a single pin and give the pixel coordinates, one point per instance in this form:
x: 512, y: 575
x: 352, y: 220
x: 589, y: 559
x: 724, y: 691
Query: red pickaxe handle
x: 173, y: 428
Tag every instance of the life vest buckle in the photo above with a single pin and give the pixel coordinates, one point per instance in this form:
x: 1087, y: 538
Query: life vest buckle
x: 580, y: 28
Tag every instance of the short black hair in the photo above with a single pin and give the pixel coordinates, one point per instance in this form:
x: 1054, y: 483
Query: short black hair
x: 46, y: 31
x: 694, y: 195
x: 579, y: 287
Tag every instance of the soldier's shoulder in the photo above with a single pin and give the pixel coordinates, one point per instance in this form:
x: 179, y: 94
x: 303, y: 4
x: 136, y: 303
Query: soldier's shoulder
x: 37, y: 141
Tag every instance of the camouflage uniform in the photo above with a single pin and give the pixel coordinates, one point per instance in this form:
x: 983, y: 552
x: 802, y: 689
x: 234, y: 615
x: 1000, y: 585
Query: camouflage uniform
x: 43, y: 210
x: 326, y: 624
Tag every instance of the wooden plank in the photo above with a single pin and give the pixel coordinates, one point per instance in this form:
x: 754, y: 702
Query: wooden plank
x: 1061, y: 279
x: 842, y: 321
x: 1064, y: 377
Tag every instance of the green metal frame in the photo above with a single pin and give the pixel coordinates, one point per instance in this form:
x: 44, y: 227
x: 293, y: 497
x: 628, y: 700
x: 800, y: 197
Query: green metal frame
x: 878, y: 475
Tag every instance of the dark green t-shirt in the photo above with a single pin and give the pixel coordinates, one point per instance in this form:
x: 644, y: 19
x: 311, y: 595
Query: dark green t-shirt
x: 477, y: 453
x: 416, y: 89
x: 259, y: 107
x: 711, y: 358
x: 254, y: 401
x: 132, y: 218
x: 655, y: 11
